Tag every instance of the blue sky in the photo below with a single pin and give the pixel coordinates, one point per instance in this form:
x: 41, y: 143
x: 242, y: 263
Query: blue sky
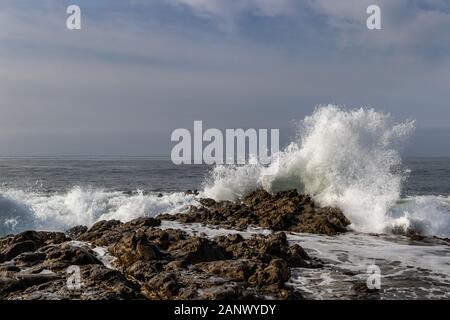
x: 139, y: 69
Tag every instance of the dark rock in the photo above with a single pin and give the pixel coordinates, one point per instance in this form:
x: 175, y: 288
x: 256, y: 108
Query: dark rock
x: 18, y: 248
x: 361, y: 291
x: 149, y: 263
x: 194, y: 250
x: 64, y: 255
x: 283, y: 211
x: 75, y: 232
x: 144, y: 222
x: 12, y: 246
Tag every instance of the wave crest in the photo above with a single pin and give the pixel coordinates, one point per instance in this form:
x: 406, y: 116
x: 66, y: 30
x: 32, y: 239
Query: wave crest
x: 343, y: 158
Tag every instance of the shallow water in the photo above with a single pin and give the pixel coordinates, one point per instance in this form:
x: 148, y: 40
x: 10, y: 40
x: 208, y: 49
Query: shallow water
x: 409, y: 269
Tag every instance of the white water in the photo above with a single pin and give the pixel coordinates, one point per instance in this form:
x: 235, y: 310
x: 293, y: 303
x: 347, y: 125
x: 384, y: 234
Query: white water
x: 409, y: 270
x: 343, y: 158
x: 29, y: 210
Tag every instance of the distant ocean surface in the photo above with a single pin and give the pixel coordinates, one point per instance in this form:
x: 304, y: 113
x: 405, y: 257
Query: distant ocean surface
x: 427, y: 176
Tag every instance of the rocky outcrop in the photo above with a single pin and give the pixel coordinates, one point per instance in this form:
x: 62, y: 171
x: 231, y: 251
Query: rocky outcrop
x: 282, y: 211
x: 148, y: 263
x: 140, y: 260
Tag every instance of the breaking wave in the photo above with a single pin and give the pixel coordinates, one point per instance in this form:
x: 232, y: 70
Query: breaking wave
x: 22, y: 210
x: 343, y: 158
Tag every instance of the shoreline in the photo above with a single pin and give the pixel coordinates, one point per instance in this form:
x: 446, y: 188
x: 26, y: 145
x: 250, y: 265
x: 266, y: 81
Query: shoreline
x: 150, y: 258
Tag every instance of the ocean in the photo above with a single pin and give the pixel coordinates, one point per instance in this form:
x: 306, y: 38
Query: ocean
x: 349, y: 160
x: 60, y: 192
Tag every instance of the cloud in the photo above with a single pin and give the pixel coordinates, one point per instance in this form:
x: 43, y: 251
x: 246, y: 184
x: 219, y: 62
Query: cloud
x: 227, y: 8
x: 407, y: 24
x: 139, y: 69
x: 227, y: 13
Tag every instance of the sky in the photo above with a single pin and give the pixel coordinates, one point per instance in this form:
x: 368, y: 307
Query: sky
x: 138, y: 69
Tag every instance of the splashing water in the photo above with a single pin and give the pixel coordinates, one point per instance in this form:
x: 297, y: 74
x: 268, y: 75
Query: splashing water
x: 22, y: 210
x: 343, y: 158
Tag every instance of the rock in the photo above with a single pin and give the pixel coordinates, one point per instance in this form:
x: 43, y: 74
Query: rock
x: 163, y: 285
x: 194, y: 250
x: 18, y: 248
x: 190, y: 192
x: 283, y: 211
x: 361, y: 291
x: 149, y: 263
x: 276, y: 273
x: 144, y: 222
x: 75, y: 232
x: 65, y: 255
x: 12, y: 246
x: 236, y: 270
x: 29, y: 258
x: 135, y: 247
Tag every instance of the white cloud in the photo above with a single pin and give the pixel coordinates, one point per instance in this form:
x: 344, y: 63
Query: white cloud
x: 227, y: 12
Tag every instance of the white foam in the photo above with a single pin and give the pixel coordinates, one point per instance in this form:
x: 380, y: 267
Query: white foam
x: 429, y: 215
x: 22, y: 210
x: 408, y: 269
x: 343, y: 158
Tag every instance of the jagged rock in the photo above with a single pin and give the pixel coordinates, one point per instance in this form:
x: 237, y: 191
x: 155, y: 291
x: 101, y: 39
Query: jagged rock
x: 28, y: 241
x: 283, y: 211
x: 75, y: 232
x: 361, y: 291
x: 149, y: 263
x: 194, y: 250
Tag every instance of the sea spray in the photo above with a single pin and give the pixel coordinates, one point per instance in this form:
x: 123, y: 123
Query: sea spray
x: 26, y: 210
x: 343, y: 158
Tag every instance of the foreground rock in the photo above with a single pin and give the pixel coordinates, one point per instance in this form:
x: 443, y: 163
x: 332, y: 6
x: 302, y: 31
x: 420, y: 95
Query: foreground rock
x: 34, y: 266
x: 146, y: 262
x: 283, y: 211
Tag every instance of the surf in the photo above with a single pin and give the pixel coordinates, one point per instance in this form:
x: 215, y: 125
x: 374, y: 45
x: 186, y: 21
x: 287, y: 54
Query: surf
x: 346, y: 158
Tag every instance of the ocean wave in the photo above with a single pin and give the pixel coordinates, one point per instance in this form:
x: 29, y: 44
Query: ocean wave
x: 428, y: 215
x: 343, y: 158
x: 21, y: 210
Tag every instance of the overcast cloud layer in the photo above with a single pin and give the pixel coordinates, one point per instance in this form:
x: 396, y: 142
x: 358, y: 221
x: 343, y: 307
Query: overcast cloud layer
x: 139, y: 69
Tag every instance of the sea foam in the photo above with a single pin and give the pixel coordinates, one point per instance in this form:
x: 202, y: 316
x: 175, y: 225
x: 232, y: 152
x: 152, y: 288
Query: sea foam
x: 343, y: 158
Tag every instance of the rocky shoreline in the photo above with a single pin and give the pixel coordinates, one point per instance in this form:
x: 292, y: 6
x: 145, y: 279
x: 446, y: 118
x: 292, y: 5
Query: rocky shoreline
x: 282, y: 211
x: 140, y: 260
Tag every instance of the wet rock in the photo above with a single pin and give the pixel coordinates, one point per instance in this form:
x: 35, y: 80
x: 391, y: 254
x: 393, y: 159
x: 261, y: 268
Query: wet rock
x: 361, y: 291
x: 282, y: 211
x: 29, y: 241
x: 65, y: 255
x: 194, y: 250
x: 75, y: 232
x: 149, y: 263
x: 135, y: 247
x: 18, y: 248
x: 190, y: 192
x: 276, y: 273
